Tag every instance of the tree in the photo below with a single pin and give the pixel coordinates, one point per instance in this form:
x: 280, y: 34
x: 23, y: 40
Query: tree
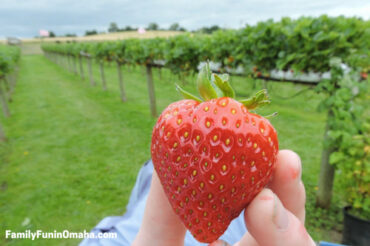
x: 128, y: 28
x: 52, y: 34
x: 153, y: 26
x: 174, y: 27
x: 92, y: 32
x: 208, y: 30
x: 113, y: 27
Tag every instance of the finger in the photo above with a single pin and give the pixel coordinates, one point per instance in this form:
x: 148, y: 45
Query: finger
x: 219, y: 243
x: 160, y: 225
x: 247, y: 239
x: 269, y: 223
x: 287, y: 185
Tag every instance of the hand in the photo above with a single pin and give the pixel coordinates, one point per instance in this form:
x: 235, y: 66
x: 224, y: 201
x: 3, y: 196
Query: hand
x: 274, y: 217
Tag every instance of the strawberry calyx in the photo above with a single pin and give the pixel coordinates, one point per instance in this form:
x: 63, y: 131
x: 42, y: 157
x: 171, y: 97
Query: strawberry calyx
x: 211, y: 86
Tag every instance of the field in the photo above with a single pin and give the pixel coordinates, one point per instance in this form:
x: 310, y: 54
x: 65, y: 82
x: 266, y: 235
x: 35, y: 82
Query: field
x: 74, y: 150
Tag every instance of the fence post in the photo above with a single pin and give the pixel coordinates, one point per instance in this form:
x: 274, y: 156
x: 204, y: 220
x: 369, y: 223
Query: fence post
x: 160, y: 73
x: 149, y: 79
x: 70, y: 63
x: 8, y: 80
x: 90, y: 71
x: 3, y: 100
x: 81, y: 68
x: 2, y: 135
x: 101, y: 66
x: 264, y: 84
x: 326, y: 177
x: 64, y: 60
x: 121, y: 85
x: 74, y: 65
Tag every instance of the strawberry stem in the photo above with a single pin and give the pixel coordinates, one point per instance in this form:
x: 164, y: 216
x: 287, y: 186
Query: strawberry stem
x: 270, y: 116
x: 206, y: 88
x: 258, y: 100
x: 211, y: 85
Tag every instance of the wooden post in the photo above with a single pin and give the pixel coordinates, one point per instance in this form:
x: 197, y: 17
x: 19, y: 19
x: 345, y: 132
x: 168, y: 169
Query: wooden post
x: 326, y: 177
x: 67, y: 62
x: 254, y: 83
x: 92, y: 82
x: 64, y: 60
x: 60, y: 60
x: 120, y: 80
x: 264, y: 84
x: 3, y: 101
x: 81, y: 68
x: 101, y: 65
x: 74, y: 65
x: 160, y: 73
x: 2, y: 135
x: 70, y: 63
x: 149, y: 79
x: 8, y: 86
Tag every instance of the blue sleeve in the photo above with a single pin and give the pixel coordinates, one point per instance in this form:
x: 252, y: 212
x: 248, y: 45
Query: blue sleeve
x: 127, y: 226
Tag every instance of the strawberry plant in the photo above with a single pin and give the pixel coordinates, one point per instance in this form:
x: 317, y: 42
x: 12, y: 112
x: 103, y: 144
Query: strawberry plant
x: 349, y: 132
x: 182, y: 54
x: 9, y: 56
x: 213, y: 155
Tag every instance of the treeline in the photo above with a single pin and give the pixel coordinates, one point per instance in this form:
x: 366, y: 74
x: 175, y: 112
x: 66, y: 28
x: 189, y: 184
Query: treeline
x: 113, y: 27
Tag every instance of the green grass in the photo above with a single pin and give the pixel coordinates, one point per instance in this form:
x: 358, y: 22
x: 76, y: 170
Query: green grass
x: 74, y: 150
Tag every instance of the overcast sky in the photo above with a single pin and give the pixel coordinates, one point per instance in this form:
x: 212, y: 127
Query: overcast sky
x: 24, y: 18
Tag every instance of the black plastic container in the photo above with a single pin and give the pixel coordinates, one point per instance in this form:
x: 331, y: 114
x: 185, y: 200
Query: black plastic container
x: 356, y: 231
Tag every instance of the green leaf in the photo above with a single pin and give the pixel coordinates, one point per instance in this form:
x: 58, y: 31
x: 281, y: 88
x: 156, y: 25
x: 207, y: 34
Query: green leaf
x: 336, y: 157
x: 187, y: 95
x: 222, y: 82
x: 260, y: 99
x: 205, y: 87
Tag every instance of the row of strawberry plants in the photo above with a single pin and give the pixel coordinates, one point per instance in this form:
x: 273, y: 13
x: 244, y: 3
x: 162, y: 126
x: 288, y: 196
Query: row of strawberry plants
x: 9, y: 57
x: 306, y: 44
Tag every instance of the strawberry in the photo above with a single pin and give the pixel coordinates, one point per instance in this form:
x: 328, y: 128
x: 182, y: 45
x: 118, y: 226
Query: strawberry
x: 213, y: 157
x: 364, y: 75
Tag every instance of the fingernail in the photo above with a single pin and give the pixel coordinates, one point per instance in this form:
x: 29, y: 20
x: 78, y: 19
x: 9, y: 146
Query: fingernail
x: 280, y: 216
x: 219, y: 243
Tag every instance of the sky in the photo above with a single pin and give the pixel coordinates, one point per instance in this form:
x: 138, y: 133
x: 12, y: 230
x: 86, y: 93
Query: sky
x: 24, y: 18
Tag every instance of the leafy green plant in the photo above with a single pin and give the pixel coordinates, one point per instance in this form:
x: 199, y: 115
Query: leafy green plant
x: 9, y: 56
x: 349, y: 133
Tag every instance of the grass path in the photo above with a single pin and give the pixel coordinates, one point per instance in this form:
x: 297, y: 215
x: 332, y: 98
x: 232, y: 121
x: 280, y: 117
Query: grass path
x: 74, y: 150
x: 72, y: 158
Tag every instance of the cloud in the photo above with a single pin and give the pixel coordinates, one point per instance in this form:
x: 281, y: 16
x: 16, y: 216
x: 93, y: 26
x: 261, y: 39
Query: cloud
x: 24, y: 18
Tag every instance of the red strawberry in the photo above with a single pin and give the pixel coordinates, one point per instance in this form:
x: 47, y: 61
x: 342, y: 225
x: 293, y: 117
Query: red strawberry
x: 212, y: 157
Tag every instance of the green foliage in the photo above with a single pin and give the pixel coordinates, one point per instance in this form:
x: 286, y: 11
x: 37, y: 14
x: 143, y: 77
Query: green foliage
x: 9, y: 56
x: 113, y: 27
x: 90, y: 32
x: 182, y: 54
x: 349, y: 135
x: 306, y: 44
x: 153, y: 26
